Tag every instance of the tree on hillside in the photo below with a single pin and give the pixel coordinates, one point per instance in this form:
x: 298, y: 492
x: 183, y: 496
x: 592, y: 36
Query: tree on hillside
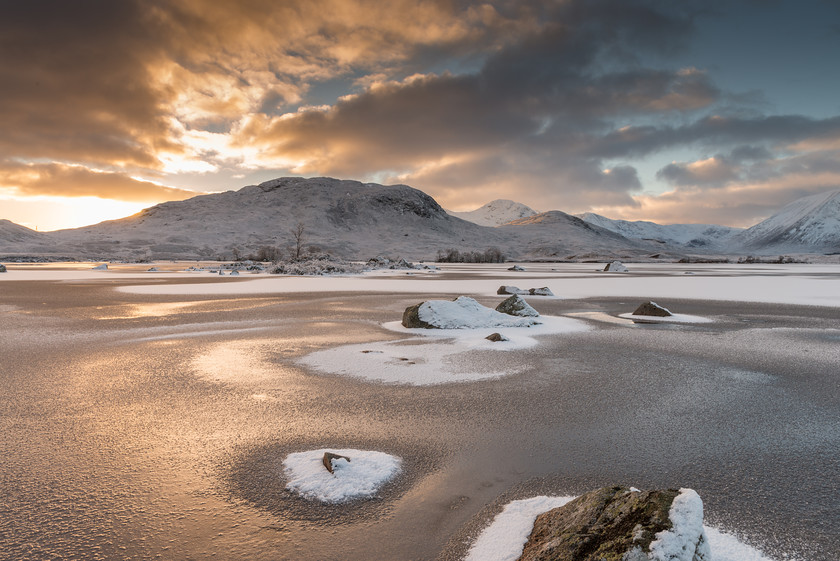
x: 297, y: 234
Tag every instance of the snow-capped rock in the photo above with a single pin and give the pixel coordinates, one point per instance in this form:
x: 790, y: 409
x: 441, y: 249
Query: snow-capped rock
x: 496, y: 213
x: 510, y: 290
x: 462, y: 313
x: 807, y: 225
x: 359, y: 478
x: 616, y: 267
x: 102, y: 267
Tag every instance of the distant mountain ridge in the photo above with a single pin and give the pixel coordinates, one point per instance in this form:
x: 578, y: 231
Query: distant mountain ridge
x: 702, y: 237
x: 496, y: 213
x: 358, y: 220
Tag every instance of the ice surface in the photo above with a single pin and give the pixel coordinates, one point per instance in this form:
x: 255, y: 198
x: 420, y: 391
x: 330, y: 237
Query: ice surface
x: 359, y: 478
x: 506, y: 536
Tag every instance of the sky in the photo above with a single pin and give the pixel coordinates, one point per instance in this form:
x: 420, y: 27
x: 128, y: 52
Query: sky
x: 690, y: 111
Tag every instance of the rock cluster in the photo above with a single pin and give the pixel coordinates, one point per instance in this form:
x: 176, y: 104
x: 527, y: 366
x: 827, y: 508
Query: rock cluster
x: 621, y: 524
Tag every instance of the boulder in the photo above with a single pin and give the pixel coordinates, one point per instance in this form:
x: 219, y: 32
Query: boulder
x: 517, y: 306
x: 411, y: 318
x: 2, y: 268
x: 102, y: 267
x: 616, y: 267
x: 652, y: 309
x: 329, y: 458
x: 544, y: 291
x: 511, y: 290
x: 496, y: 337
x: 622, y: 524
x: 516, y: 268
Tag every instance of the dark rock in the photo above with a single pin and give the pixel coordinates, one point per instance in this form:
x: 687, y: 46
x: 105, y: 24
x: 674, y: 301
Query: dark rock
x: 328, y: 460
x: 2, y: 268
x: 516, y: 268
x: 496, y: 337
x: 516, y: 306
x: 411, y: 318
x: 652, y: 309
x: 544, y: 291
x: 608, y: 524
x: 511, y: 290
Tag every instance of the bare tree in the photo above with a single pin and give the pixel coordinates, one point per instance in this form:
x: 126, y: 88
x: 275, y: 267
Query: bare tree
x: 297, y: 233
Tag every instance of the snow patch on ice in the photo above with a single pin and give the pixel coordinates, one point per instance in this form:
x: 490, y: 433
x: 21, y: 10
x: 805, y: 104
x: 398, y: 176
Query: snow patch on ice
x: 359, y: 478
x: 506, y: 536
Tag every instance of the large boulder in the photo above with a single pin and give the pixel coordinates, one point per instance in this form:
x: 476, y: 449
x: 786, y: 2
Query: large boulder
x: 462, y: 313
x: 622, y: 524
x: 517, y: 306
x: 652, y: 309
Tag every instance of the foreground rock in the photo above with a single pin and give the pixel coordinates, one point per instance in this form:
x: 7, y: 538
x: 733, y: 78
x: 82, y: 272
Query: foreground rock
x: 652, y: 309
x: 329, y: 458
x: 616, y: 267
x: 620, y: 524
x: 496, y: 338
x: 516, y: 306
x: 462, y: 313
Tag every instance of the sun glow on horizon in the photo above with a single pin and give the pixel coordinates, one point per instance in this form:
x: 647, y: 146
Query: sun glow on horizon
x: 47, y: 213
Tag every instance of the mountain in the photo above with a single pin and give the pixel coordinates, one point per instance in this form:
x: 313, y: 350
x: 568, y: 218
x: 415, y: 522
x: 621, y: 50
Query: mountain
x: 496, y: 213
x: 697, y: 237
x: 807, y: 225
x: 346, y: 218
x: 557, y: 235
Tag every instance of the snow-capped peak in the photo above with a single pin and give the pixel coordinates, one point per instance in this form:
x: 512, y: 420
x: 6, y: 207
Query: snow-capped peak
x: 808, y: 224
x: 496, y: 213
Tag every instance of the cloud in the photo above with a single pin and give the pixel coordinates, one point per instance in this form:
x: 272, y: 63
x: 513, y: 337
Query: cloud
x: 77, y: 181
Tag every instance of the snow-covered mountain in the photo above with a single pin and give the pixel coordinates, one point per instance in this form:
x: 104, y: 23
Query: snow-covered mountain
x: 696, y: 237
x: 496, y: 213
x: 808, y: 225
x: 346, y: 218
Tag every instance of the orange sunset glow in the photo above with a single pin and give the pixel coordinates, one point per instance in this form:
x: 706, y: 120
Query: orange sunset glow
x: 628, y: 109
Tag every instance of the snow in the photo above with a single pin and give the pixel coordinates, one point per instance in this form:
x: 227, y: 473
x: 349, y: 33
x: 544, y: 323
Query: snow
x: 495, y: 213
x: 435, y: 358
x: 506, y: 536
x: 359, y: 478
x: 678, y: 543
x: 709, y: 236
x: 812, y: 285
x: 467, y: 313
